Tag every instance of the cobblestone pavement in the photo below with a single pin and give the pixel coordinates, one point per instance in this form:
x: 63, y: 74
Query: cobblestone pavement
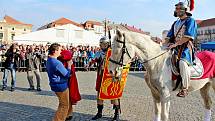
x: 137, y: 104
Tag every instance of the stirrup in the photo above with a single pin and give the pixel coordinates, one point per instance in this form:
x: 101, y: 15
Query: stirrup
x: 183, y: 93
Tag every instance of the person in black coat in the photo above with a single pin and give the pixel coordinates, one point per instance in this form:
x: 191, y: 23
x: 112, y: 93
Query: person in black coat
x: 10, y: 64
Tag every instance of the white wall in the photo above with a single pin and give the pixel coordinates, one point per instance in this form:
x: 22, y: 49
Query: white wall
x: 66, y: 34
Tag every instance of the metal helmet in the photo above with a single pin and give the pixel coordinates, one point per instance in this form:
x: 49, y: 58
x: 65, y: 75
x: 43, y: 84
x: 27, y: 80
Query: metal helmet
x: 185, y: 9
x: 104, y: 42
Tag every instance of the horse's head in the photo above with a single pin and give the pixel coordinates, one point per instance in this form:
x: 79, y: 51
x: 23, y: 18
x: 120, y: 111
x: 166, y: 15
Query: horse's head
x: 120, y: 55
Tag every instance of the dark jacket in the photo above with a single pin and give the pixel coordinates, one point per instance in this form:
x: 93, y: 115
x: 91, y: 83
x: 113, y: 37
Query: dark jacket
x: 11, y: 57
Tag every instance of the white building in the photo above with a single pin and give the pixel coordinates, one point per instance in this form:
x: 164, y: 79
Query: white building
x: 206, y: 31
x: 68, y: 34
x: 10, y: 27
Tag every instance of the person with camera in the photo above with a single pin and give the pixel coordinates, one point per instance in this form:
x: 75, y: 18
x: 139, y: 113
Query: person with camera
x: 10, y: 64
x: 33, y: 57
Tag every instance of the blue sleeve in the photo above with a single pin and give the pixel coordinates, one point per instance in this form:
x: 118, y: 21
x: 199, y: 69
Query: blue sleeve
x: 191, y: 28
x: 171, y: 31
x: 63, y: 71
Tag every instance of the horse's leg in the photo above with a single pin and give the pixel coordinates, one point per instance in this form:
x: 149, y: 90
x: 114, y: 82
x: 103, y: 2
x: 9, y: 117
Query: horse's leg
x: 165, y: 105
x: 207, y: 101
x: 165, y: 110
x: 157, y: 106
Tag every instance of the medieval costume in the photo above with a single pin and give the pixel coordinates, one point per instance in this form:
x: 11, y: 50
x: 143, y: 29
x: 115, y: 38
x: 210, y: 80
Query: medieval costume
x: 100, y: 58
x: 181, y: 35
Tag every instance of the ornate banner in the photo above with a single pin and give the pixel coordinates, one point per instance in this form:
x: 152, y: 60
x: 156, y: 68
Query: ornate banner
x: 112, y: 90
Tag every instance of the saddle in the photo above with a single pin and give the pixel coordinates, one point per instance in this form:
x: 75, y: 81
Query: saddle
x: 196, y: 69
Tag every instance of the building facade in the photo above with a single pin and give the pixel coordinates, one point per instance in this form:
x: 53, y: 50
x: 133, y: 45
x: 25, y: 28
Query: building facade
x: 95, y: 26
x: 59, y: 22
x: 66, y: 32
x: 9, y: 27
x: 206, y: 31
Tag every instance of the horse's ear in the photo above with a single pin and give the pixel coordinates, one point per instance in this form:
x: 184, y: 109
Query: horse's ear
x: 118, y: 33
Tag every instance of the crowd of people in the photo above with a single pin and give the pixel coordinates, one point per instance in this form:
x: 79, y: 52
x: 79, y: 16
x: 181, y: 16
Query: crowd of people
x: 81, y: 56
x: 32, y: 59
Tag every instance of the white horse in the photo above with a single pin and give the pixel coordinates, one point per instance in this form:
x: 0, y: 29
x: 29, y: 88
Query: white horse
x: 158, y: 76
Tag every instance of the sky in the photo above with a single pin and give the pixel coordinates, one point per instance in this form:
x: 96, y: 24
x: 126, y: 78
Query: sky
x: 152, y: 16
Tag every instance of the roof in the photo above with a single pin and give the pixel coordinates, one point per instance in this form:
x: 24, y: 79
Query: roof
x: 93, y: 22
x: 207, y: 22
x: 126, y: 28
x: 63, y: 21
x: 198, y: 21
x: 134, y: 29
x: 11, y: 20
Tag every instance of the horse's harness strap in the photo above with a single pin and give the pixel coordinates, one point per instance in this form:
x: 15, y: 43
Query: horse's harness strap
x: 124, y: 50
x: 155, y: 57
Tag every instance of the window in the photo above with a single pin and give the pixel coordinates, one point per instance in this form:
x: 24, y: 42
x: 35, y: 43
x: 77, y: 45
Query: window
x: 12, y: 36
x: 0, y: 27
x: 24, y: 29
x: 60, y: 33
x: 13, y: 29
x: 1, y: 35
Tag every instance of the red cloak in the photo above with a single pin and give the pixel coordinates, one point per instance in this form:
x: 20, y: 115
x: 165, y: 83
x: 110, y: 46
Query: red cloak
x: 74, y: 94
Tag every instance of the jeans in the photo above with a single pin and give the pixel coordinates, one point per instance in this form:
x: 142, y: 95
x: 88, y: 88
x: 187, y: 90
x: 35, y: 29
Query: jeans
x: 11, y: 68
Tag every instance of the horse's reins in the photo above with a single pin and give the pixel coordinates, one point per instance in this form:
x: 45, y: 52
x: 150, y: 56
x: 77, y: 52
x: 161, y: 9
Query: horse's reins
x: 155, y: 57
x: 125, y: 50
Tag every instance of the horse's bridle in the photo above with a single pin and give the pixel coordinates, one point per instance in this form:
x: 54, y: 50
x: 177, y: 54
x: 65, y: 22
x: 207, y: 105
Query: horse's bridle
x: 124, y: 51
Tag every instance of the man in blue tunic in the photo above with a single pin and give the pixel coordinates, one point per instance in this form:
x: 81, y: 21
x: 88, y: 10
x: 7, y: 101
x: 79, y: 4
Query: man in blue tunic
x: 180, y: 36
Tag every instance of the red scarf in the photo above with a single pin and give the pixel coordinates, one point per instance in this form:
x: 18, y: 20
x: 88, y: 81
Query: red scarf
x: 75, y: 96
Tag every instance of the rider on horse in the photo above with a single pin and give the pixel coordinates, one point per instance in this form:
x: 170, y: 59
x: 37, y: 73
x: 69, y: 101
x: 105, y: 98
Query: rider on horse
x: 180, y: 36
x: 100, y: 59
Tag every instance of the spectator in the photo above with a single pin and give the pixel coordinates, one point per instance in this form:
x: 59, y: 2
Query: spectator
x: 58, y: 81
x: 10, y: 65
x: 33, y: 57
